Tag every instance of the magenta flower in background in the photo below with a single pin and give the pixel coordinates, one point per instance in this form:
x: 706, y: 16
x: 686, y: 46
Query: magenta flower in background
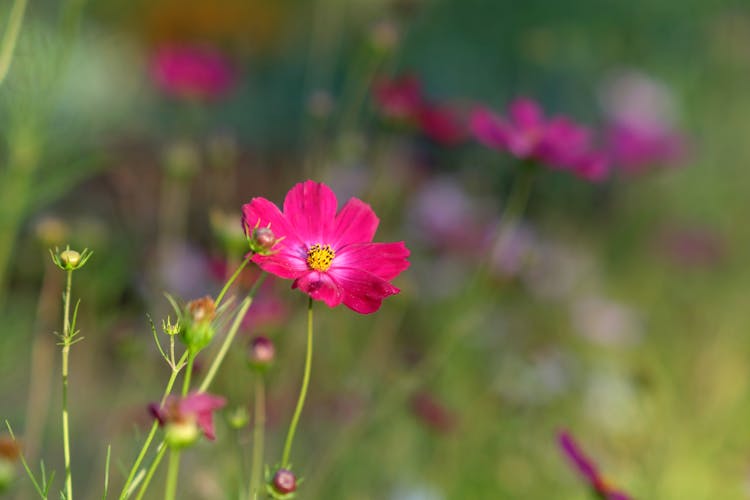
x: 197, y: 407
x: 399, y: 99
x: 330, y: 256
x: 527, y: 134
x: 442, y: 124
x: 587, y: 468
x: 641, y: 130
x: 192, y: 72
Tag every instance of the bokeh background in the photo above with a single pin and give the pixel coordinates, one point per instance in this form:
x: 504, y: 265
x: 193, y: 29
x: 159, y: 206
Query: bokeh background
x: 619, y: 310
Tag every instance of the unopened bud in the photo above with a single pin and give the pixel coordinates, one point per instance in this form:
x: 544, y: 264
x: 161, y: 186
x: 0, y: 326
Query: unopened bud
x: 262, y: 240
x: 198, y: 329
x: 262, y: 353
x: 169, y: 328
x: 181, y: 433
x: 283, y: 484
x: 239, y: 418
x: 70, y: 260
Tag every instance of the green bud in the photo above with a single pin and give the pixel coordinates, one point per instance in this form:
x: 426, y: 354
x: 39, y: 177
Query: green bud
x: 70, y: 260
x: 182, y: 433
x: 198, y: 328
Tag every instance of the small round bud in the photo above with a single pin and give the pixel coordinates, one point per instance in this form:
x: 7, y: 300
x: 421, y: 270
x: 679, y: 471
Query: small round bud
x: 70, y: 258
x: 181, y: 433
x: 198, y: 330
x: 262, y: 353
x: 265, y: 238
x: 284, y: 482
x: 239, y: 418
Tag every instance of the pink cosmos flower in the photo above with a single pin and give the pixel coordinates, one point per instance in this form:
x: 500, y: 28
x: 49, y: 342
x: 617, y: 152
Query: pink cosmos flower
x: 196, y: 407
x: 527, y: 134
x: 189, y: 72
x: 588, y: 469
x: 330, y: 256
x: 636, y: 148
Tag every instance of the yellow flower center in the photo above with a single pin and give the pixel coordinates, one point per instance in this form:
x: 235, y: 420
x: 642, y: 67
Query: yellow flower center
x: 320, y: 257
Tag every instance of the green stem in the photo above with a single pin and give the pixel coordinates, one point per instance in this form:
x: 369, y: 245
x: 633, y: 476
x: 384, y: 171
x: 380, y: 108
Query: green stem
x: 303, y: 390
x: 225, y: 346
x: 188, y: 373
x: 125, y: 493
x: 230, y: 281
x: 152, y: 470
x: 258, y: 430
x: 173, y: 472
x: 15, y: 21
x: 65, y: 353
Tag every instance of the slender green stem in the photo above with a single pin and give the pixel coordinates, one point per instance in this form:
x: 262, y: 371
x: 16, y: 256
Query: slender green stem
x: 225, y: 346
x: 66, y: 340
x: 231, y: 280
x: 259, y: 425
x: 152, y: 470
x: 188, y: 373
x: 11, y: 37
x: 303, y: 390
x: 125, y: 493
x: 173, y: 472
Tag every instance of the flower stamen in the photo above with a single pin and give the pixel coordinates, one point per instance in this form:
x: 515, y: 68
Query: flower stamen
x: 320, y: 257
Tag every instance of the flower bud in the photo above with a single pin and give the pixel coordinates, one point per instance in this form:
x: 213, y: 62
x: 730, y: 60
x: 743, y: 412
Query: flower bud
x: 239, y: 418
x: 283, y: 484
x: 181, y: 434
x: 9, y: 453
x: 198, y: 317
x: 262, y: 240
x: 170, y: 328
x: 261, y: 354
x: 70, y: 260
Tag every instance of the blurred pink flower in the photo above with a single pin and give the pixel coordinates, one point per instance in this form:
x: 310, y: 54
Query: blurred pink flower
x: 432, y: 412
x: 192, y: 72
x: 197, y: 407
x: 442, y: 124
x: 693, y: 247
x: 403, y: 100
x: 641, y: 115
x: 588, y: 469
x: 399, y: 99
x: 330, y: 256
x: 527, y: 134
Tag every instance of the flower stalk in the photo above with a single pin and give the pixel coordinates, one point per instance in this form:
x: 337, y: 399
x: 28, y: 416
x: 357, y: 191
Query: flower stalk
x: 303, y: 390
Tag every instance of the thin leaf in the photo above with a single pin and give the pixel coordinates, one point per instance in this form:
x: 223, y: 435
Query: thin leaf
x: 39, y: 490
x: 106, y: 472
x: 156, y: 339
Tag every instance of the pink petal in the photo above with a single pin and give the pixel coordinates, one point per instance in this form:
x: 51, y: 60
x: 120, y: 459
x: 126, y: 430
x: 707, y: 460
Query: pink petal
x: 363, y: 292
x: 262, y: 213
x: 320, y: 286
x: 355, y: 223
x: 489, y: 129
x: 286, y: 263
x: 200, y: 402
x: 384, y: 260
x: 310, y: 207
x: 526, y: 113
x: 206, y: 423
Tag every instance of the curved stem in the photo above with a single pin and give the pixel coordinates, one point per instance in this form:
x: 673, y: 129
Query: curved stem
x: 231, y: 280
x: 11, y: 37
x: 65, y: 354
x: 151, y: 470
x: 173, y: 472
x: 258, y: 430
x: 303, y: 390
x: 225, y: 346
x: 125, y: 493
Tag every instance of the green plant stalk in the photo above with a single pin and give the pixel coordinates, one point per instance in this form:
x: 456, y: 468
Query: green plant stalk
x: 303, y: 390
x: 188, y: 373
x: 65, y: 353
x: 125, y: 489
x: 152, y: 470
x: 230, y: 281
x: 173, y: 472
x: 225, y: 346
x: 15, y: 21
x: 259, y: 425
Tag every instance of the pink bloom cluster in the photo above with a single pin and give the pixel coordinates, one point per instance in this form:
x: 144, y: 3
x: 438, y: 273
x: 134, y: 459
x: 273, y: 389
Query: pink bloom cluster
x: 403, y: 100
x: 192, y: 72
x: 330, y: 256
x: 588, y: 469
x: 197, y: 407
x: 527, y: 134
